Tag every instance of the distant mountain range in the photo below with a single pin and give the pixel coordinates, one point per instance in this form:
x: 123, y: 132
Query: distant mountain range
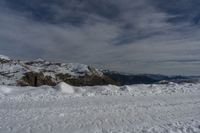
x: 40, y: 72
x: 128, y: 79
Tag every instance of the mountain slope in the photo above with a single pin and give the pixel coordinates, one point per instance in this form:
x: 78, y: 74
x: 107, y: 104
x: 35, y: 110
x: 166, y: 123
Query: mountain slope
x: 40, y: 72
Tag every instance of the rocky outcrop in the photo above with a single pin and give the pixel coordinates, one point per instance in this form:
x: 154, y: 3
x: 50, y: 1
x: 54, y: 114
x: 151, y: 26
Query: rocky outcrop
x: 4, y: 59
x: 88, y: 80
x: 38, y: 79
x: 35, y: 79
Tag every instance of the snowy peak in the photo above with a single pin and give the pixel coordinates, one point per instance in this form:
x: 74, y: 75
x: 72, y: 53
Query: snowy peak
x: 39, y: 60
x: 3, y: 57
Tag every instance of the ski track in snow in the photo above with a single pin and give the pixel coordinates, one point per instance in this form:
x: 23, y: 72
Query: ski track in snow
x: 54, y: 112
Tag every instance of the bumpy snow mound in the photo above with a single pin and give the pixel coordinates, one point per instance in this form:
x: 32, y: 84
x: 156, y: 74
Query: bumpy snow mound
x: 138, y: 90
x: 65, y: 88
x: 3, y: 57
x: 6, y: 89
x: 108, y: 90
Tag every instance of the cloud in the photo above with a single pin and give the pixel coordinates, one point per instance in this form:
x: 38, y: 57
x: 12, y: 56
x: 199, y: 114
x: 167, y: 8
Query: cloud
x: 65, y: 41
x: 140, y: 37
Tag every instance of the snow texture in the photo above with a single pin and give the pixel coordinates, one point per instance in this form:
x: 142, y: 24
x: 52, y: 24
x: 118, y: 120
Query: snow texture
x: 171, y: 108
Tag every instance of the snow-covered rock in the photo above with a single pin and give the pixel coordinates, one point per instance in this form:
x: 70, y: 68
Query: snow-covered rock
x: 14, y: 72
x: 39, y: 60
x: 65, y: 88
x: 3, y: 57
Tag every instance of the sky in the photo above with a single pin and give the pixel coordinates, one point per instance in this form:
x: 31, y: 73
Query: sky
x: 132, y: 36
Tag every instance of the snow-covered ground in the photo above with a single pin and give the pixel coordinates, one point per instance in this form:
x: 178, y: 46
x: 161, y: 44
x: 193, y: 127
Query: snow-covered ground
x: 170, y: 108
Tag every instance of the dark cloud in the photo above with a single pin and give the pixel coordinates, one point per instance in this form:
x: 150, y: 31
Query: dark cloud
x: 74, y: 12
x: 140, y: 36
x: 184, y: 10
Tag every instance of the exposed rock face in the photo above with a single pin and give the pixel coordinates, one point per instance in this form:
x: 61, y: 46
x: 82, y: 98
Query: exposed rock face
x: 3, y: 61
x: 88, y: 80
x: 73, y: 74
x: 38, y: 79
x: 35, y: 79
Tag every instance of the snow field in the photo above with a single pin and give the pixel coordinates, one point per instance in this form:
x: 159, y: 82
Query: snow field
x: 170, y: 108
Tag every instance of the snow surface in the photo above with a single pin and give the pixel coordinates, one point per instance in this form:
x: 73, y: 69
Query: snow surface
x: 172, y: 108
